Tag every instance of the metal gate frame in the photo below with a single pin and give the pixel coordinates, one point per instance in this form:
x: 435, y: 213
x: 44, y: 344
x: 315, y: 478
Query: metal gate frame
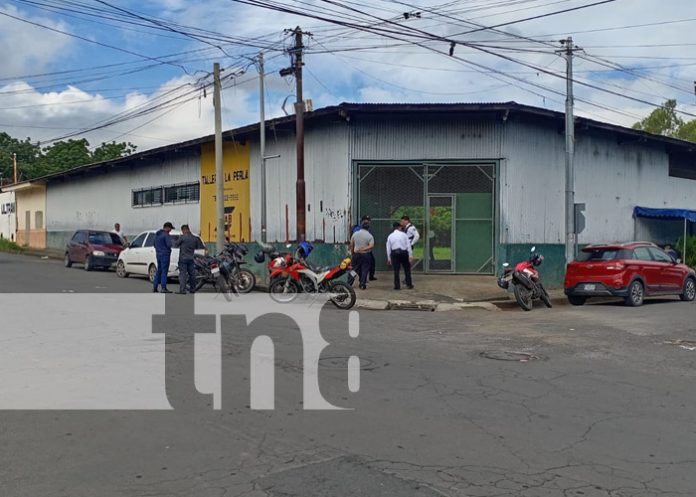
x: 496, y: 163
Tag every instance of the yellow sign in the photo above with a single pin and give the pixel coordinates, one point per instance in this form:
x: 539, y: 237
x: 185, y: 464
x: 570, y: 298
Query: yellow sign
x: 237, y: 202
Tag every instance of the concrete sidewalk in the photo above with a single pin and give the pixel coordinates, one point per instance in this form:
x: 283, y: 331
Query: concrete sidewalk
x: 439, y: 292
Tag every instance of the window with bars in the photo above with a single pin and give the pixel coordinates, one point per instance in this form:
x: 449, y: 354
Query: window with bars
x: 147, y: 197
x: 182, y: 193
x: 169, y: 194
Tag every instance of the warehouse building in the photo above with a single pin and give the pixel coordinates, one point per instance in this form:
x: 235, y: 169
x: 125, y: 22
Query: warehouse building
x: 482, y: 182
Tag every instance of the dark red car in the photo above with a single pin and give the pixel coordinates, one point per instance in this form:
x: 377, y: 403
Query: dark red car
x: 94, y: 249
x: 628, y: 270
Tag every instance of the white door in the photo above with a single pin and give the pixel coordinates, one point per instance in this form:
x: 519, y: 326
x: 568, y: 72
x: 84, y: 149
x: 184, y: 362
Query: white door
x: 131, y: 256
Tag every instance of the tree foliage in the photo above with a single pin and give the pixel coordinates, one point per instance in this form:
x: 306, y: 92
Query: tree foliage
x: 665, y: 121
x: 34, y: 161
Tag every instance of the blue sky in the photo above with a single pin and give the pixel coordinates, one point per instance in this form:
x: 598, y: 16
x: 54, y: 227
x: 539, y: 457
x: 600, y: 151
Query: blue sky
x: 360, y: 67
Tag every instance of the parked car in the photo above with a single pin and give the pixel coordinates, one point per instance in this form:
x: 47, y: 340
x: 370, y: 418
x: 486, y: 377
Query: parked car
x: 628, y: 270
x: 94, y: 249
x: 139, y: 257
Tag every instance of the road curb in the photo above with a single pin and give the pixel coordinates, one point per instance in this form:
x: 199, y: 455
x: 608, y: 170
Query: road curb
x: 423, y: 305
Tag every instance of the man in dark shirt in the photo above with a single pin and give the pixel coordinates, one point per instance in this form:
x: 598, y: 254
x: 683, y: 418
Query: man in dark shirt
x: 187, y: 244
x: 163, y: 251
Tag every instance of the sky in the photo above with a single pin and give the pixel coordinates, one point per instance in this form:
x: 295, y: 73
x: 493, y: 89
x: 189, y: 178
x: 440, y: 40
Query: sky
x: 70, y: 66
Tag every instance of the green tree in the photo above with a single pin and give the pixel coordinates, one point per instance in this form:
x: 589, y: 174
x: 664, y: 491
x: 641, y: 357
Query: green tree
x: 688, y: 131
x: 113, y: 150
x: 662, y: 121
x: 665, y: 121
x: 64, y: 155
x: 27, y: 155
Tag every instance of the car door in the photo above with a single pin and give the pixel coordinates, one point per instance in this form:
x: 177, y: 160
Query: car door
x: 147, y: 253
x: 670, y: 273
x: 79, y: 247
x: 71, y: 247
x: 648, y: 269
x: 132, y: 254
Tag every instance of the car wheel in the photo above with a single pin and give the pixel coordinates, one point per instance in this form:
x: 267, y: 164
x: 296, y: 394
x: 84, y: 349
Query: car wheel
x: 636, y: 294
x: 689, y: 293
x: 121, y: 270
x: 67, y: 262
x: 88, y: 263
x: 575, y: 300
x: 152, y: 272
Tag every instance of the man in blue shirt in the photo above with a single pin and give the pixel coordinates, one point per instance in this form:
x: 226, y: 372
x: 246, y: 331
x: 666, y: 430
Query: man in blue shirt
x: 163, y: 250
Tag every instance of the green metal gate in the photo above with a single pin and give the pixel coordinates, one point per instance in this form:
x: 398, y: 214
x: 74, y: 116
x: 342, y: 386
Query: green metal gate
x: 451, y: 203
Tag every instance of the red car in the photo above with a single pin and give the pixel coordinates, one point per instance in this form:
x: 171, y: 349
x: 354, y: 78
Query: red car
x: 628, y: 270
x: 93, y: 249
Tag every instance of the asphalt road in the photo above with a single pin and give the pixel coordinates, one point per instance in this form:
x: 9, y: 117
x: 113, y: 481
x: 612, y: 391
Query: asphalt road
x: 604, y: 406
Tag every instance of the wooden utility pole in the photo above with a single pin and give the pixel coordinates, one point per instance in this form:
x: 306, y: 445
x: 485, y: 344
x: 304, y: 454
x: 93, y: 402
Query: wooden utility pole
x: 299, y: 132
x: 14, y: 166
x: 219, y: 171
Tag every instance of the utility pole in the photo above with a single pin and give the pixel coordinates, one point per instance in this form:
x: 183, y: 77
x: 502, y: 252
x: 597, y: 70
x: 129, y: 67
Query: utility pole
x: 14, y: 166
x: 570, y: 236
x: 299, y: 132
x: 262, y: 147
x: 219, y: 172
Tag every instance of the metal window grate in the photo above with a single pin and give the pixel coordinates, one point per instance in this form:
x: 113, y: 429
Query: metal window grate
x: 167, y: 194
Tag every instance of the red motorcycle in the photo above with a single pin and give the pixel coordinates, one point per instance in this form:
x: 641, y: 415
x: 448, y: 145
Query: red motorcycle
x: 291, y: 274
x: 526, y: 281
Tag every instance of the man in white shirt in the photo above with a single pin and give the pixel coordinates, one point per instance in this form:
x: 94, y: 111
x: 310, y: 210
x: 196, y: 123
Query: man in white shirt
x: 410, y: 230
x: 400, y: 253
x: 117, y: 230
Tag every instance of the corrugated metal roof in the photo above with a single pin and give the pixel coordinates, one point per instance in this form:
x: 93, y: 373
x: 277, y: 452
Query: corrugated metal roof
x: 345, y: 109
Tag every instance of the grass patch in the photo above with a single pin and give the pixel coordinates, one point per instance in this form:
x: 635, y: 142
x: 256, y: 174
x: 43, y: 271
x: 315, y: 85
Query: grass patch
x: 10, y: 246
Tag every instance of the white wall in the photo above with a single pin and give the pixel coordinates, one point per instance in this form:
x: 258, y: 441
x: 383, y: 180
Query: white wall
x: 99, y: 200
x: 327, y: 188
x: 8, y: 216
x: 611, y: 178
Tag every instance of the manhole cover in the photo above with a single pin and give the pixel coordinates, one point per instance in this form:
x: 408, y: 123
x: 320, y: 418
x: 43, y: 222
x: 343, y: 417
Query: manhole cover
x: 342, y: 363
x: 506, y: 355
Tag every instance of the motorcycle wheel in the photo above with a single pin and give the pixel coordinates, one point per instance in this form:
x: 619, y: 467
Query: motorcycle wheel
x: 342, y: 295
x: 244, y: 281
x: 224, y: 288
x: 544, y: 296
x: 523, y: 297
x: 283, y: 290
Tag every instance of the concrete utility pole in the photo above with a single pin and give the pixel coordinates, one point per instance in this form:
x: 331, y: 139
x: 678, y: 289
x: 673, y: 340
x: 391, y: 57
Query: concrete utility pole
x: 14, y: 166
x: 219, y: 172
x: 570, y: 237
x: 262, y: 148
x: 299, y: 132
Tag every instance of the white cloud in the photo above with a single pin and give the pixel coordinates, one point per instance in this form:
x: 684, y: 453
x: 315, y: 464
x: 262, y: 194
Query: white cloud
x: 29, y: 48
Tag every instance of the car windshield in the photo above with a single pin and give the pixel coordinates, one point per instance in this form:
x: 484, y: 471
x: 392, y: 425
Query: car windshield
x: 600, y: 255
x: 103, y: 238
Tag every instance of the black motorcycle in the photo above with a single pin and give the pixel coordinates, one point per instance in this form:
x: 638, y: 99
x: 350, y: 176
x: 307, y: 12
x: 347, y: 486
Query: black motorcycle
x: 224, y: 271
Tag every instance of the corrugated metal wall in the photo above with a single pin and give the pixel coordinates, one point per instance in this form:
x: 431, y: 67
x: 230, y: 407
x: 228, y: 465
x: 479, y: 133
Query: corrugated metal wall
x: 611, y: 178
x: 425, y: 138
x: 327, y: 176
x: 99, y: 200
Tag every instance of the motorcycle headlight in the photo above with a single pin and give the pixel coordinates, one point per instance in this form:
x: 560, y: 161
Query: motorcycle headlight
x: 98, y: 253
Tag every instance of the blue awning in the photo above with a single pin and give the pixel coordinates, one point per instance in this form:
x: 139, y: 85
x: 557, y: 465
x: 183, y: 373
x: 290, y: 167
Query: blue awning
x: 665, y: 213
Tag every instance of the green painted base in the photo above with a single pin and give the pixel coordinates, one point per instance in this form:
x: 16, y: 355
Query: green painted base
x: 552, y: 270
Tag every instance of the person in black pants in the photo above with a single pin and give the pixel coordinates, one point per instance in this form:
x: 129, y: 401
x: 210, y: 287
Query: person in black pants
x: 361, y: 245
x: 400, y: 253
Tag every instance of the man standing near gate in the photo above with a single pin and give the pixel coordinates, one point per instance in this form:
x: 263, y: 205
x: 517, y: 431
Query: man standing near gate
x: 400, y: 253
x: 365, y: 220
x: 361, y: 244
